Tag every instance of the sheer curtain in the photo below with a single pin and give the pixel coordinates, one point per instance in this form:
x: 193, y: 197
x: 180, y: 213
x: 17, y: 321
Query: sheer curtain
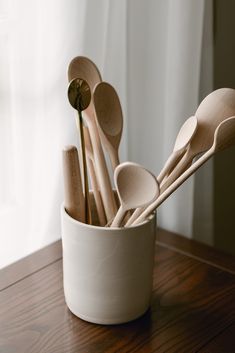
x: 149, y: 50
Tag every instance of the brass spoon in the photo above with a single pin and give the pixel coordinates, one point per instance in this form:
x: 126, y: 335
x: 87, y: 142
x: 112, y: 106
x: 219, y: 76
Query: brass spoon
x: 215, y: 108
x: 79, y: 95
x: 224, y: 137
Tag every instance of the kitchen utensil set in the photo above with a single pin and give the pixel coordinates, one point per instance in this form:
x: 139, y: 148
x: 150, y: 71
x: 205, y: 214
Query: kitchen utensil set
x: 210, y: 130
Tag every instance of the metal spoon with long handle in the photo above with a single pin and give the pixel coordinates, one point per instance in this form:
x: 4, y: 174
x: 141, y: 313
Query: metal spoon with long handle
x: 185, y: 135
x: 215, y: 108
x: 183, y: 138
x: 92, y: 173
x: 224, y: 137
x: 85, y: 68
x: 109, y: 119
x: 136, y: 187
x: 79, y: 95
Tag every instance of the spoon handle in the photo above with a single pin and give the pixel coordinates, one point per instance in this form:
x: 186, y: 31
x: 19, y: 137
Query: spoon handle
x: 102, y: 172
x: 119, y: 217
x: 134, y: 216
x: 114, y: 158
x: 79, y: 124
x: 174, y: 186
x: 97, y: 197
x: 170, y: 163
x: 74, y: 201
x: 178, y: 170
x: 138, y: 211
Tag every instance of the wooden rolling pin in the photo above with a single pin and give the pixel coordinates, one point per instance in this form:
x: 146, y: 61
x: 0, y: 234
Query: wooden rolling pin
x: 74, y: 201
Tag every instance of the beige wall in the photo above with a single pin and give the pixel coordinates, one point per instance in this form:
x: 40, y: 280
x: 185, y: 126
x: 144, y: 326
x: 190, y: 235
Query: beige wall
x: 224, y: 163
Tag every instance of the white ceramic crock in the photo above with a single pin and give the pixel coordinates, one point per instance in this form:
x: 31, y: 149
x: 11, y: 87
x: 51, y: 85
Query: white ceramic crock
x: 108, y: 272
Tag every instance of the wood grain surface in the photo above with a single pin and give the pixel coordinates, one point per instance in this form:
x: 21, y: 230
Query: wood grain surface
x: 193, y: 308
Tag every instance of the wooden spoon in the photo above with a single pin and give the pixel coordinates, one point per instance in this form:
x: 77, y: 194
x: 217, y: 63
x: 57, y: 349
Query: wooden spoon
x: 183, y: 138
x: 85, y: 68
x: 92, y: 173
x: 109, y: 119
x: 224, y: 137
x: 136, y: 187
x: 215, y: 108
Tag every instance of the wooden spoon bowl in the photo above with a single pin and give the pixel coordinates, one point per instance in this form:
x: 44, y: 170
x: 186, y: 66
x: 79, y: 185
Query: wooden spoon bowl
x: 136, y: 187
x: 109, y: 118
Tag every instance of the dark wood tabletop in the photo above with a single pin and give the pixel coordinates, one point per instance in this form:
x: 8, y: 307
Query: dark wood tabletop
x: 193, y: 305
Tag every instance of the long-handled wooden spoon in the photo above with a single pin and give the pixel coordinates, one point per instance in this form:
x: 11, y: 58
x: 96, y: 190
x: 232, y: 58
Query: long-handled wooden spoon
x: 92, y: 173
x: 79, y: 95
x: 224, y: 137
x: 138, y: 211
x: 216, y: 107
x: 183, y: 138
x: 85, y: 68
x: 136, y: 187
x: 74, y: 201
x: 109, y: 119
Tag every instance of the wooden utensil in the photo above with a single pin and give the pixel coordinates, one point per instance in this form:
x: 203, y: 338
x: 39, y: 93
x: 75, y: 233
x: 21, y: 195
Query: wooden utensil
x: 79, y: 95
x: 85, y: 68
x: 74, y: 201
x: 216, y: 107
x: 136, y: 187
x: 109, y: 119
x: 92, y: 173
x: 224, y: 137
x: 183, y: 138
x: 140, y: 210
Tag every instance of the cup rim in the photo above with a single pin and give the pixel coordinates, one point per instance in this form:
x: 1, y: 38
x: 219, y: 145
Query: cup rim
x: 85, y: 225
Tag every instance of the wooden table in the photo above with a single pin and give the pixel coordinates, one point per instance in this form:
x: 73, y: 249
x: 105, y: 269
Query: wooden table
x: 193, y: 306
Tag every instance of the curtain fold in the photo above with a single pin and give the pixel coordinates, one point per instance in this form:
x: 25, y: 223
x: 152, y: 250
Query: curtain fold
x: 149, y: 51
x: 164, y: 77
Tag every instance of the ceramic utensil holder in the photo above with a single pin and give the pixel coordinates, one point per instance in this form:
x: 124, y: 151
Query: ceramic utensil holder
x: 108, y: 272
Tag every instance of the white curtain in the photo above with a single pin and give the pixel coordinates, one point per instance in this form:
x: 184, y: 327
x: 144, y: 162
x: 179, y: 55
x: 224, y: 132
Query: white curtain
x: 149, y: 50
